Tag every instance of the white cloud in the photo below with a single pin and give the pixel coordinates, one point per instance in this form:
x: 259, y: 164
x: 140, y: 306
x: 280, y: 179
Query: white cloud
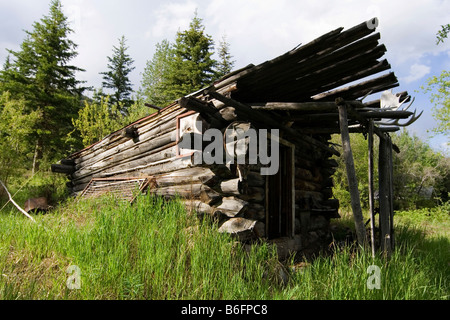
x: 416, y: 72
x: 171, y: 17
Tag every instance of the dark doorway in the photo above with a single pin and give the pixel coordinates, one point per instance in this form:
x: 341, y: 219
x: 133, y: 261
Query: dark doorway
x: 280, y: 197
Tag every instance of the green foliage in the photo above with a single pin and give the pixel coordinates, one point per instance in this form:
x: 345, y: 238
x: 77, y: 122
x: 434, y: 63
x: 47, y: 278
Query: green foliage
x: 417, y: 168
x: 224, y: 64
x: 154, y: 78
x: 151, y: 250
x: 360, y: 155
x: 192, y: 67
x: 443, y: 33
x: 156, y: 250
x: 16, y: 129
x: 98, y: 119
x: 185, y: 66
x: 439, y: 86
x: 40, y: 74
x: 436, y: 215
x: 117, y: 76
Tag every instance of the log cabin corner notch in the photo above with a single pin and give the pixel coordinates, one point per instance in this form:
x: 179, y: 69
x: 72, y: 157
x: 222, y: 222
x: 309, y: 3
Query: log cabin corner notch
x: 303, y: 94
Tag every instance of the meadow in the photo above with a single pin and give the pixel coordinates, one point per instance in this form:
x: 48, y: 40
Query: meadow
x: 108, y: 249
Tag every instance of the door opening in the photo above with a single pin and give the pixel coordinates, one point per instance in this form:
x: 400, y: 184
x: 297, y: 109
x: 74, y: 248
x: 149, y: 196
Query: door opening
x: 280, y: 196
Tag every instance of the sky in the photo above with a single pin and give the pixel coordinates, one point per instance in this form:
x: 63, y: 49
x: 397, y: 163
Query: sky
x: 257, y: 31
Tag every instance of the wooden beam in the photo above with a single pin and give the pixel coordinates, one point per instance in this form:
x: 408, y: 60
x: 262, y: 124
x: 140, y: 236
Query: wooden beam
x: 207, y: 111
x: 351, y: 173
x: 270, y: 121
x: 319, y: 106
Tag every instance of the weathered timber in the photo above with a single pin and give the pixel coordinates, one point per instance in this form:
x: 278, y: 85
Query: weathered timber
x: 243, y: 229
x: 351, y: 174
x: 206, y: 110
x: 384, y: 194
x: 15, y: 203
x: 192, y: 190
x: 374, y: 85
x: 232, y: 187
x: 113, y: 139
x: 269, y: 121
x: 99, y: 154
x: 198, y: 206
x: 232, y: 207
x: 228, y: 113
x: 371, y: 191
x: 119, y: 157
x: 185, y: 176
x: 151, y: 169
x: 152, y: 106
x: 62, y: 168
x: 316, y: 106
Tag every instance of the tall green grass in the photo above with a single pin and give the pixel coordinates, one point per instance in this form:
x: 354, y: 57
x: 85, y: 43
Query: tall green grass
x: 155, y: 249
x: 152, y: 249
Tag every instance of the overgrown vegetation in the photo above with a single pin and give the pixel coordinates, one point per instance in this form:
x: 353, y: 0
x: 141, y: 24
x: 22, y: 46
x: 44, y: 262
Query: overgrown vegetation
x: 154, y: 249
x: 421, y: 175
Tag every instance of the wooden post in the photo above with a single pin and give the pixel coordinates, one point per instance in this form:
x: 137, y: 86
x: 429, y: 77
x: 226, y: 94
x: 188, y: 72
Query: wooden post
x: 391, y: 193
x: 351, y: 173
x: 371, y: 193
x: 384, y: 192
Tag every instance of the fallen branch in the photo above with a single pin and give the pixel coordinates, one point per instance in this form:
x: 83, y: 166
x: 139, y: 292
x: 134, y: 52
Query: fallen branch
x: 15, y: 204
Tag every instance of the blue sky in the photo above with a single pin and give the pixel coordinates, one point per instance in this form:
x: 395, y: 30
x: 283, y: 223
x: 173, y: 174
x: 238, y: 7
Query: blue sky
x: 257, y: 30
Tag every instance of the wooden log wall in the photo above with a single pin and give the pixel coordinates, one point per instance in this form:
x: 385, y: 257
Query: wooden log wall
x: 234, y: 195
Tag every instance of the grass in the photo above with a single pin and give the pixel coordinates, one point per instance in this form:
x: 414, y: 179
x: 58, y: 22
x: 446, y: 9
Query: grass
x: 156, y: 250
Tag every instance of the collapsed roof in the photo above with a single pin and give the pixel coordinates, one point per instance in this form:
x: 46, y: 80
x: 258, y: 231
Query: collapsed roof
x: 299, y: 88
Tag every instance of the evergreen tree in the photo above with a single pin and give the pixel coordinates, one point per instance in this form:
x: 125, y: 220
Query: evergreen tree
x: 116, y: 78
x: 193, y: 66
x: 40, y: 74
x: 225, y: 64
x: 155, y: 76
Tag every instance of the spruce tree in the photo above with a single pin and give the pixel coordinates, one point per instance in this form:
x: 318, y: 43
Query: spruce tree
x: 116, y: 78
x: 225, y: 63
x: 41, y: 75
x: 193, y: 66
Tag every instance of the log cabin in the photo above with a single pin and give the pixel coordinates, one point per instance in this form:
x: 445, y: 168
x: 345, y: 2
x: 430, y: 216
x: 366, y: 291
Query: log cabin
x: 297, y: 100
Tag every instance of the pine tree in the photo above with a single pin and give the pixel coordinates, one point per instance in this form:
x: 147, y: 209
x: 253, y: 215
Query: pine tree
x: 116, y: 78
x: 193, y: 66
x: 225, y: 64
x: 40, y: 74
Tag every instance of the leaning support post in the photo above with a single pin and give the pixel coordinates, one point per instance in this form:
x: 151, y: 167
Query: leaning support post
x: 385, y: 196
x: 371, y: 193
x: 351, y: 173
